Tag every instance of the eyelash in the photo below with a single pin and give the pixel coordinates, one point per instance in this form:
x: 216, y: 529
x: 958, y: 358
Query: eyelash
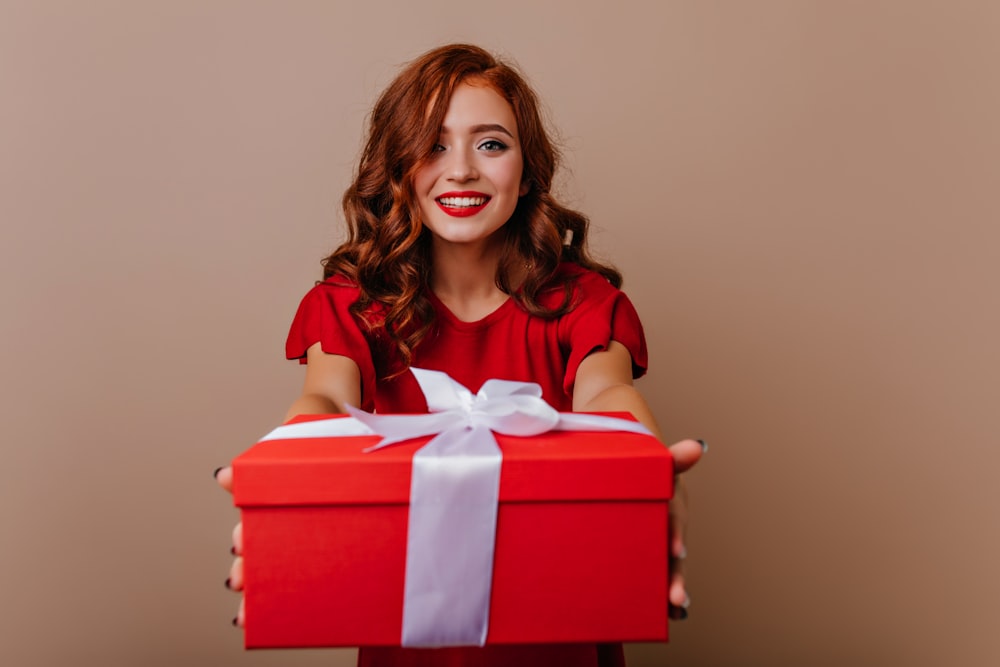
x: 497, y: 145
x: 490, y: 145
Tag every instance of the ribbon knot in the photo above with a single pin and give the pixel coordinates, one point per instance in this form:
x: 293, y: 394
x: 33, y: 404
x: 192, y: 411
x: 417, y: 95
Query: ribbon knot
x: 501, y: 406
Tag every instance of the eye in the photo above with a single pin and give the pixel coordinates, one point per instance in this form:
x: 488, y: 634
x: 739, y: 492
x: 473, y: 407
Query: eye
x: 493, y: 146
x: 437, y: 148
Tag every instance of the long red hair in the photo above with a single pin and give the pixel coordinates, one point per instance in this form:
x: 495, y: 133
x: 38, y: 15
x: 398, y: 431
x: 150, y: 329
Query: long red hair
x: 387, y: 251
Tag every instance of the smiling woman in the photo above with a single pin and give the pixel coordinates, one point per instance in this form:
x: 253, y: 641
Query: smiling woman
x: 458, y: 259
x: 469, y: 187
x: 418, y: 130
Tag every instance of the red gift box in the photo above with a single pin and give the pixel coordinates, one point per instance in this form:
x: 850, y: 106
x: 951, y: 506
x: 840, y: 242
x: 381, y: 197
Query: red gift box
x: 581, y: 543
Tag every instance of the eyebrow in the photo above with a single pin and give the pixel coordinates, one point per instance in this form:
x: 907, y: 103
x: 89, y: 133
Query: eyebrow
x: 485, y: 127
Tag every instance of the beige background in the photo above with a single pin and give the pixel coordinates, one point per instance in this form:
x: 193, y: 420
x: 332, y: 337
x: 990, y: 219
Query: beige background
x: 802, y: 195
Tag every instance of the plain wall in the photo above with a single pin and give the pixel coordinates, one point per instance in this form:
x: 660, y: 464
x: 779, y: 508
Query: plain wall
x: 802, y: 197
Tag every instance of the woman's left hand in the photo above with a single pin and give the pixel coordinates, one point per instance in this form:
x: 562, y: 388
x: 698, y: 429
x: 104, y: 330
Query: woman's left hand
x: 686, y: 454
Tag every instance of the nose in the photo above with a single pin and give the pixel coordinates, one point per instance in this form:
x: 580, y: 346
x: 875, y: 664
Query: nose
x: 461, y: 168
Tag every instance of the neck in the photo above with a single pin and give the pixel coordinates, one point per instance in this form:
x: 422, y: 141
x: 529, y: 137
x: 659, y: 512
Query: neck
x: 464, y: 271
x: 464, y: 278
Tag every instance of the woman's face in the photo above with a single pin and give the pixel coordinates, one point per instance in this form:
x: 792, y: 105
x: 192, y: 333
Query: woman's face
x: 469, y: 187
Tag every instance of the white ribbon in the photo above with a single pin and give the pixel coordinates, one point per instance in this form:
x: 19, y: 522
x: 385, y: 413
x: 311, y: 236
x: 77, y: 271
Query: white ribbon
x: 454, y: 490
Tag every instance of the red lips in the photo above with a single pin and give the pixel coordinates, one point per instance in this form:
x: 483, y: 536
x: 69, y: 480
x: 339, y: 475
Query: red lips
x: 462, y: 204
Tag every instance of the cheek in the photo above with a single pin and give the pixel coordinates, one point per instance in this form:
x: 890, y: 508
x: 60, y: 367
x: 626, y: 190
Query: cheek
x: 511, y: 176
x: 422, y: 181
x: 426, y: 176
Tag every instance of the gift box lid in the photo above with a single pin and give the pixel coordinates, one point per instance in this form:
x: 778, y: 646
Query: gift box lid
x: 555, y: 466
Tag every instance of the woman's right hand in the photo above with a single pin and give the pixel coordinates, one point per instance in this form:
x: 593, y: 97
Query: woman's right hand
x: 224, y: 476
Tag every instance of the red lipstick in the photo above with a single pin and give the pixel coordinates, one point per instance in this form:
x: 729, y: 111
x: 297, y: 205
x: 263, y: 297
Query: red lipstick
x: 462, y: 204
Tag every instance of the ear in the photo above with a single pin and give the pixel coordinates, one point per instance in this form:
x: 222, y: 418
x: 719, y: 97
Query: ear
x: 524, y: 189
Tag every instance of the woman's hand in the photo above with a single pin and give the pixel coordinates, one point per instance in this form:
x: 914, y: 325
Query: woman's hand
x: 686, y: 453
x: 224, y: 476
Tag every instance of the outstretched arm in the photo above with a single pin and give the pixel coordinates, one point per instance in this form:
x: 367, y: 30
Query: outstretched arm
x: 604, y: 384
x: 332, y: 381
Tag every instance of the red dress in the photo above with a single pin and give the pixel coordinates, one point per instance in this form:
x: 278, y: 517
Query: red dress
x: 508, y: 344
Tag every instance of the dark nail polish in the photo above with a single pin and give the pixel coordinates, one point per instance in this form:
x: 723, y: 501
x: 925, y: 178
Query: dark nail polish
x: 704, y: 446
x: 229, y: 583
x: 232, y: 550
x: 216, y: 473
x: 678, y: 613
x: 236, y: 621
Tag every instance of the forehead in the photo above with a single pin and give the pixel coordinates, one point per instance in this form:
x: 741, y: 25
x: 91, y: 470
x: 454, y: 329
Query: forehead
x: 474, y: 105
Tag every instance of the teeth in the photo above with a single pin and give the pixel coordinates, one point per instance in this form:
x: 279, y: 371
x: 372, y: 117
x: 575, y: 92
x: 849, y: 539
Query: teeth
x: 460, y: 202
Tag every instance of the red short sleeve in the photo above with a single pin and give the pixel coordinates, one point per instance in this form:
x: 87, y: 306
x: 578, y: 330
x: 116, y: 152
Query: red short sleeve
x: 603, y: 314
x: 324, y: 317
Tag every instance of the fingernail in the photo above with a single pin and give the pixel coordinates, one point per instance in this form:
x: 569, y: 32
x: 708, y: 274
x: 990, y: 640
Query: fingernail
x: 687, y: 602
x: 216, y: 473
x: 682, y: 554
x: 678, y: 613
x: 236, y: 621
x: 232, y: 550
x: 704, y: 446
x: 229, y: 583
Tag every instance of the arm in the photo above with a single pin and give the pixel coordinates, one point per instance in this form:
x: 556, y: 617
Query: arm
x: 604, y: 384
x: 332, y: 381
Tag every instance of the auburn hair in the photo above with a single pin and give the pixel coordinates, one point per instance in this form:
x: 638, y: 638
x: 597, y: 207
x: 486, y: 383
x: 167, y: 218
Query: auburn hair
x: 387, y: 251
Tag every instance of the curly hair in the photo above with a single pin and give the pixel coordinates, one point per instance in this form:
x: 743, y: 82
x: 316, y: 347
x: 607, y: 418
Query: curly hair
x: 387, y: 251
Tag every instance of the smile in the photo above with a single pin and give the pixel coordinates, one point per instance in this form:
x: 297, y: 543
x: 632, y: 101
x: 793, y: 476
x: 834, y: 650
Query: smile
x: 462, y: 204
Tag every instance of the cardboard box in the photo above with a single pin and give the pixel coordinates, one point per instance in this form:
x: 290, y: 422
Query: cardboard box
x: 581, y: 549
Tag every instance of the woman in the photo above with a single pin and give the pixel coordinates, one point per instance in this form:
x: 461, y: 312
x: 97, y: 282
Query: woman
x: 459, y: 259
